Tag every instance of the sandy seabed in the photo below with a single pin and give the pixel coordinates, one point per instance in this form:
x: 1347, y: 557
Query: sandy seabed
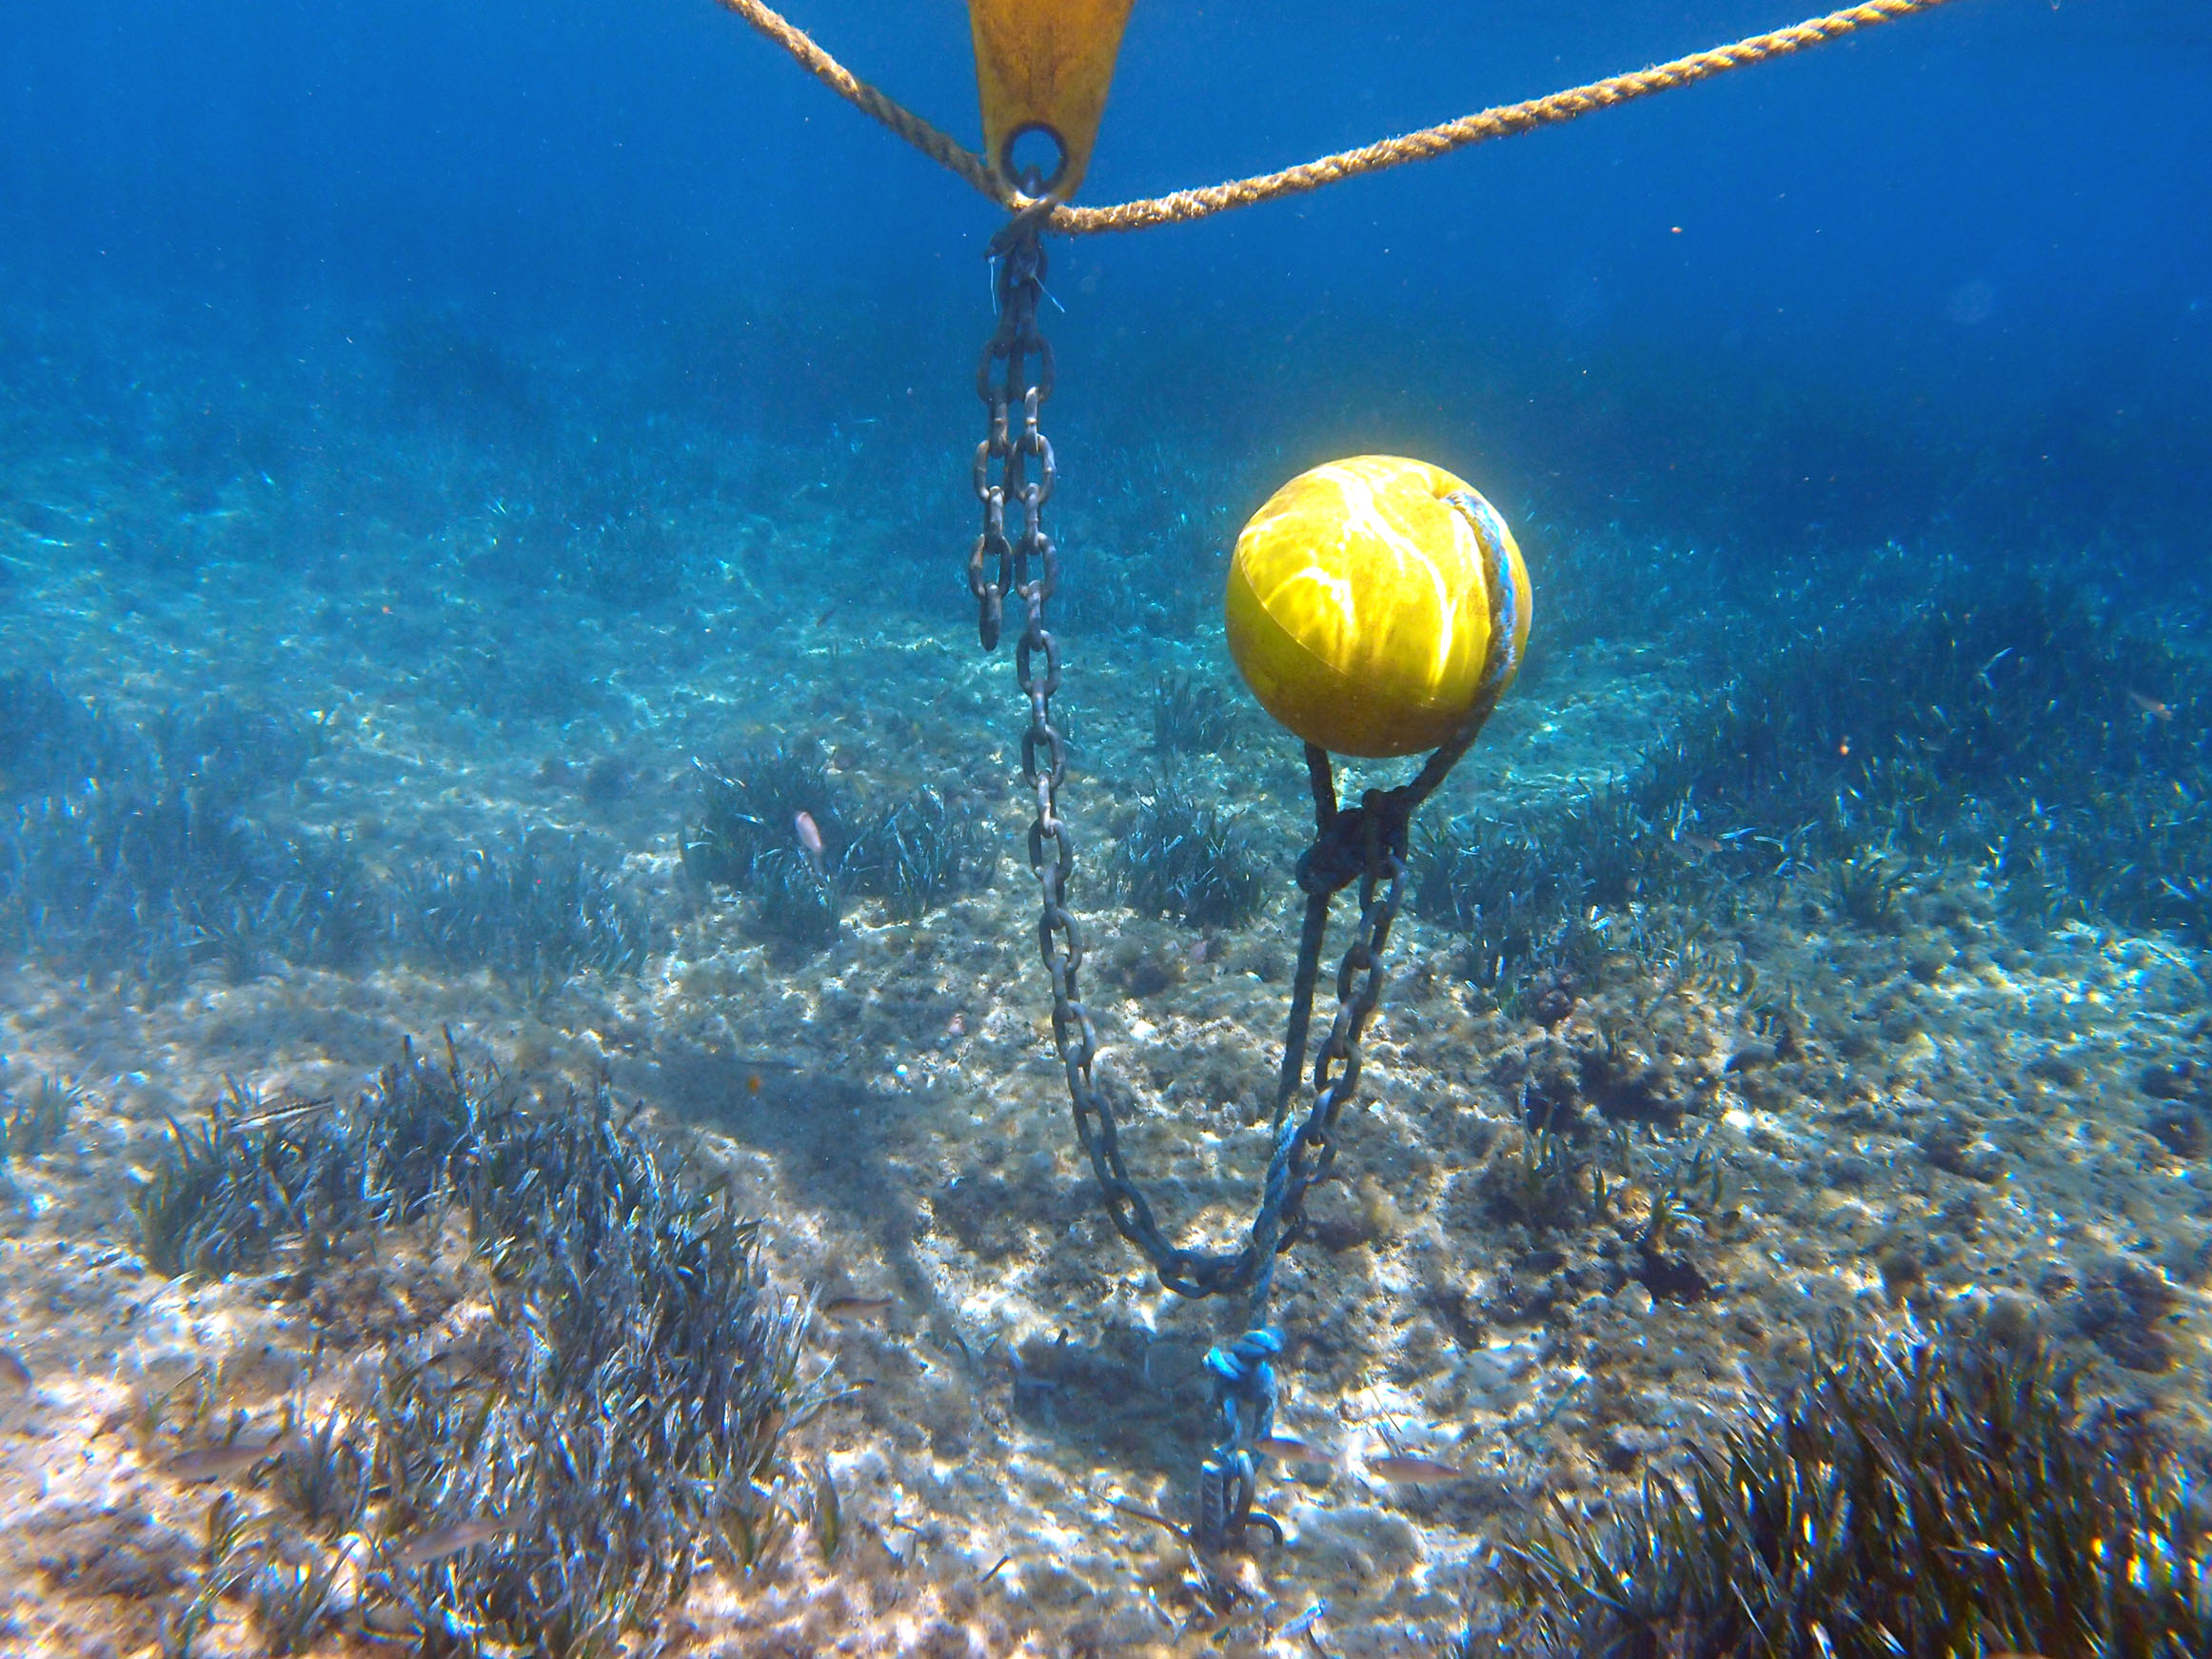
x: 1950, y: 1120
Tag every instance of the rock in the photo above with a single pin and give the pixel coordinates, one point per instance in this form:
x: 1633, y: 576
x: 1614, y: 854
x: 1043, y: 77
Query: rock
x: 2184, y: 1081
x: 1626, y: 1444
x: 1847, y: 1172
x: 1952, y: 1145
x: 2183, y: 1128
x: 2123, y: 1307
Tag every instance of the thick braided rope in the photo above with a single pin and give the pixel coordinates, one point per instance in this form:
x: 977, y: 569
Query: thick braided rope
x: 1501, y: 122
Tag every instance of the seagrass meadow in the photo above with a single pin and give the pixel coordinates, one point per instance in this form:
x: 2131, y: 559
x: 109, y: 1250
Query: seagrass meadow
x: 529, y: 1116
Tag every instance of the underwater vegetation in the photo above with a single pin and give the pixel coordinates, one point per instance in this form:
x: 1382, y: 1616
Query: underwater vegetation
x: 517, y: 687
x: 45, y: 734
x: 613, y: 522
x: 749, y: 805
x: 554, y: 1483
x: 1146, y: 546
x: 231, y: 748
x: 1522, y: 887
x: 1190, y: 715
x: 1593, y: 585
x: 1192, y: 863
x: 2038, y: 737
x: 919, y: 853
x: 535, y: 910
x: 141, y: 850
x: 145, y: 856
x: 2027, y: 721
x: 439, y: 373
x: 450, y: 1458
x: 1493, y: 881
x: 754, y: 817
x: 314, y: 902
x: 33, y: 1121
x: 1933, y: 1498
x: 232, y: 1190
x: 797, y: 905
x: 635, y: 1436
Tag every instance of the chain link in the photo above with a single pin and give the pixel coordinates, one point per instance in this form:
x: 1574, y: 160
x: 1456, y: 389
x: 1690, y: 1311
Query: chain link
x: 1024, y: 566
x: 1003, y: 381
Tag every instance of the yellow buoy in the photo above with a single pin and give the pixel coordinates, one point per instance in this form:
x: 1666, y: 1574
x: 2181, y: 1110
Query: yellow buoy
x: 1376, y: 604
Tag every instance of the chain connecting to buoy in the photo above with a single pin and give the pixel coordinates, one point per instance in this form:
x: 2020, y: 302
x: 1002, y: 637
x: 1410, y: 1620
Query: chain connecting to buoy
x: 1364, y: 844
x: 1377, y: 607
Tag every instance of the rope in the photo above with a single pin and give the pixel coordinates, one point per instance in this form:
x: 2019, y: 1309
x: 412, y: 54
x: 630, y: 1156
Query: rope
x: 1503, y: 121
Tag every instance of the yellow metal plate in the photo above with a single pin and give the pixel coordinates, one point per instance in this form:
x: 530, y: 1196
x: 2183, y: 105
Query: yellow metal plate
x: 1045, y: 64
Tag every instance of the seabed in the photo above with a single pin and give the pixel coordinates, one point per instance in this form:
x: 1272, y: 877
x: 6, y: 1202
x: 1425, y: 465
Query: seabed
x: 1580, y: 1226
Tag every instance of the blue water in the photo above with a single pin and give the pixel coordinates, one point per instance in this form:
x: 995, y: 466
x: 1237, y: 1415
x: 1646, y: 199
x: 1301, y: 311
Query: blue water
x: 484, y: 502
x: 1817, y: 302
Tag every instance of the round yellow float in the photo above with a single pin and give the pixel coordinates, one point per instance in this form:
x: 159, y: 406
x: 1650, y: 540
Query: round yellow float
x: 1376, y: 604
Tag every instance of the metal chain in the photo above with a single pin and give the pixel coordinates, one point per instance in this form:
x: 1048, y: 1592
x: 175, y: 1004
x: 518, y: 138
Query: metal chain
x: 1366, y: 844
x: 1242, y: 1372
x: 1028, y: 569
x: 1019, y: 284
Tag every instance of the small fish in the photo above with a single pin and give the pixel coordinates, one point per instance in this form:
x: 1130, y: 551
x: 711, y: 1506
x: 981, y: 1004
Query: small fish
x: 14, y: 1375
x: 809, y: 839
x: 1290, y: 1449
x: 219, y: 1462
x: 864, y: 1308
x: 1697, y: 843
x: 447, y: 1541
x: 2151, y: 707
x: 1414, y: 1471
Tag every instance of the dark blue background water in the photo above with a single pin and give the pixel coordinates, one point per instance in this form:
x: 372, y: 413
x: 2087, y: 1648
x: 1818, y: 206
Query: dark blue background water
x: 1949, y: 280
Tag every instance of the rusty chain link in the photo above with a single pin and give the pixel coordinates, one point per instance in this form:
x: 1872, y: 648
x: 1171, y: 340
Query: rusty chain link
x: 1019, y: 284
